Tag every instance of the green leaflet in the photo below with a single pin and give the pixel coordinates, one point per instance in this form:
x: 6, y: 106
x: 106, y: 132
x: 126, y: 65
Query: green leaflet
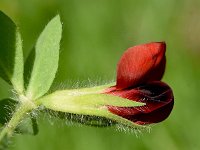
x: 46, y: 59
x: 88, y: 101
x: 11, y: 54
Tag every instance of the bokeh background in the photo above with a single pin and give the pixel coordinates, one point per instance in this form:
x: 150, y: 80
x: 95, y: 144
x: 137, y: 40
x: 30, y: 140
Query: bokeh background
x: 96, y: 32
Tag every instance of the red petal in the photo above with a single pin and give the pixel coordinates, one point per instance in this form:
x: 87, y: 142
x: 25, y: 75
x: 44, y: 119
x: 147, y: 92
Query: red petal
x: 140, y: 64
x: 159, y: 101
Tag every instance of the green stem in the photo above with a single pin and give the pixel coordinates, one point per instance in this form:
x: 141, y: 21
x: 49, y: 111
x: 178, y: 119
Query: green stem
x: 19, y: 114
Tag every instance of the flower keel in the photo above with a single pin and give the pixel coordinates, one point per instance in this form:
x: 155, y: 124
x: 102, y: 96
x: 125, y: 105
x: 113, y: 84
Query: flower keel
x: 159, y: 101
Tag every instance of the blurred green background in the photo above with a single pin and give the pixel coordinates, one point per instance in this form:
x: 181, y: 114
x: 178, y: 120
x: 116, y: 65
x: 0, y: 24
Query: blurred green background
x: 96, y: 32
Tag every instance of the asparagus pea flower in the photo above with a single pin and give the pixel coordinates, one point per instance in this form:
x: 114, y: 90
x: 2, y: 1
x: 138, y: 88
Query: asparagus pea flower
x: 139, y: 72
x: 138, y: 98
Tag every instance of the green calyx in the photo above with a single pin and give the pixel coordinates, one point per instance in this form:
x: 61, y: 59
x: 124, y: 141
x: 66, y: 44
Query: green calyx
x: 88, y: 101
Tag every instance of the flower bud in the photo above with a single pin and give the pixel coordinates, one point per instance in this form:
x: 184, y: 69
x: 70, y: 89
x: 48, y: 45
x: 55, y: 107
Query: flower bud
x: 139, y: 72
x: 138, y: 98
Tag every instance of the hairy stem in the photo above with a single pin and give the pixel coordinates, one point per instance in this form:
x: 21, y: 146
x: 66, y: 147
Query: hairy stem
x: 24, y: 107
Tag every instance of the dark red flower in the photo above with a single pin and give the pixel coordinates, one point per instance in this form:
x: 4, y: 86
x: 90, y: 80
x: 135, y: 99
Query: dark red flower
x: 139, y: 72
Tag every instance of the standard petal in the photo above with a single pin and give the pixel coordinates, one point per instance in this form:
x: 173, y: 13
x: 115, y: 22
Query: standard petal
x: 159, y: 101
x: 140, y: 64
